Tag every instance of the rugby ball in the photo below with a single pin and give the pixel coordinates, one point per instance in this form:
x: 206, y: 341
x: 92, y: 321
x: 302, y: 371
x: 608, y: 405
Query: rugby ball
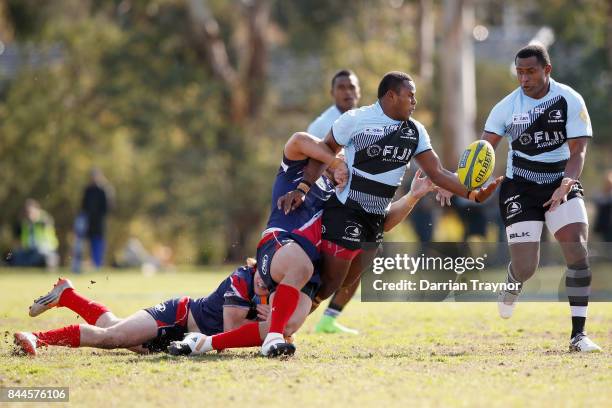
x: 476, y: 164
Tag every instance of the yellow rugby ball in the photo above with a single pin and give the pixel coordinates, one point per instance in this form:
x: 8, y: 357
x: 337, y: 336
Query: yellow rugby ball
x: 476, y: 164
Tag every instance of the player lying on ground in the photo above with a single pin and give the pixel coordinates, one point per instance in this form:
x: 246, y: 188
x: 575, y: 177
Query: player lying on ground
x: 289, y: 271
x: 196, y: 343
x: 240, y: 298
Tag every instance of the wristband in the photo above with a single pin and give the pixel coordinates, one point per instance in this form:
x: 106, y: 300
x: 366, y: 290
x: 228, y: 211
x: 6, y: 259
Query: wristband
x: 303, y: 187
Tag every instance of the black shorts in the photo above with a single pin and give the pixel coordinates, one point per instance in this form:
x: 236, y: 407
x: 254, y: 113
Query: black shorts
x: 171, y: 318
x: 523, y: 200
x: 271, y: 243
x: 349, y: 227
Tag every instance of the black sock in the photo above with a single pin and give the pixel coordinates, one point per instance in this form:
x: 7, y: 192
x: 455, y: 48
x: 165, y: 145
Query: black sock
x: 578, y: 287
x: 577, y: 325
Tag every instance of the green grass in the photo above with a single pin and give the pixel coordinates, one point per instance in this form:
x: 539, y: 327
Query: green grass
x: 425, y: 354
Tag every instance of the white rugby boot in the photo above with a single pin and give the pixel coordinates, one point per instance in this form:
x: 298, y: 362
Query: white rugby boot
x: 582, y: 344
x: 506, y: 302
x: 192, y: 345
x: 25, y: 342
x: 275, y: 345
x: 46, y: 302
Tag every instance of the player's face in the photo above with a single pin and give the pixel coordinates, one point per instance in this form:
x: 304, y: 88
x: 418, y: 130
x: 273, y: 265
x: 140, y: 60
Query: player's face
x: 405, y: 101
x: 532, y: 76
x: 346, y: 92
x: 260, y: 287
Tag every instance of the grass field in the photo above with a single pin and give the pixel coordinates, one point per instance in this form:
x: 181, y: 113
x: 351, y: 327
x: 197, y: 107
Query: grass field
x: 409, y: 354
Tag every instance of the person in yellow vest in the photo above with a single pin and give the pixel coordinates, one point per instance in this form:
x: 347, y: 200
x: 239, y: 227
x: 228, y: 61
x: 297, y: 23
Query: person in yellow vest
x: 38, y: 242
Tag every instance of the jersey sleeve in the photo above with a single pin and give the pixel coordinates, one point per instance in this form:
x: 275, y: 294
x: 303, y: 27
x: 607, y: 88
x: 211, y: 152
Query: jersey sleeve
x: 496, y: 122
x: 343, y: 127
x: 237, y: 294
x: 424, y: 141
x: 578, y: 121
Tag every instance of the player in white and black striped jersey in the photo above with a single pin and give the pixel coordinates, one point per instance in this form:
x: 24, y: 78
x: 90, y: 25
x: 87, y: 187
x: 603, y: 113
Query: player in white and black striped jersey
x: 547, y: 126
x: 379, y: 141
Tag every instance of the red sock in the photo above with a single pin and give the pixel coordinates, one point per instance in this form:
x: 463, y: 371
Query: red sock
x: 69, y: 336
x: 284, y: 304
x: 244, y: 336
x: 87, y: 309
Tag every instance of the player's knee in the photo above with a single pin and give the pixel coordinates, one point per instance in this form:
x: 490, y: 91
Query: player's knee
x: 524, y: 269
x: 114, y: 338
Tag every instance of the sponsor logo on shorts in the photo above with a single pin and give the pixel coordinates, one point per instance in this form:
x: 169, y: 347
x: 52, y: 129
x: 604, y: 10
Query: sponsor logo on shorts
x: 513, y: 208
x: 160, y: 307
x: 520, y: 119
x: 352, y: 232
x: 373, y: 150
x: 513, y: 198
x: 264, y: 265
x: 515, y: 235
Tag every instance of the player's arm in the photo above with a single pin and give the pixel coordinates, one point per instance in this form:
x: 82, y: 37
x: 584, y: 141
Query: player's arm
x: 430, y: 163
x: 400, y: 209
x: 317, y: 163
x: 302, y: 146
x: 573, y: 170
x: 492, y: 138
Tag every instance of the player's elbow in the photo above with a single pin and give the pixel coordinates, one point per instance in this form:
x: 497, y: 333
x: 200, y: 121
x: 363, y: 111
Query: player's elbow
x: 296, y: 141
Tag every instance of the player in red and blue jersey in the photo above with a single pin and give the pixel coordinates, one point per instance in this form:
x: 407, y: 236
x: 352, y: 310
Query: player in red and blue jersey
x: 240, y: 298
x: 287, y: 255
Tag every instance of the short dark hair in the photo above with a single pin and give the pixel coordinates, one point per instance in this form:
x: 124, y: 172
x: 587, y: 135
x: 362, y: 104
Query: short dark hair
x: 342, y: 73
x: 534, y: 50
x: 392, y: 81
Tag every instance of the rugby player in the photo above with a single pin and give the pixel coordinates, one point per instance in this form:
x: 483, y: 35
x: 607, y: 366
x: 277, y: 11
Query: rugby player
x: 240, y: 298
x: 547, y: 126
x: 345, y: 92
x: 197, y: 343
x: 379, y: 141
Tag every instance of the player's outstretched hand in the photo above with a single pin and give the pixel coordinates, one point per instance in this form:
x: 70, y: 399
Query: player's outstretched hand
x: 421, y: 185
x: 559, y: 196
x: 290, y: 201
x: 482, y: 194
x: 443, y: 196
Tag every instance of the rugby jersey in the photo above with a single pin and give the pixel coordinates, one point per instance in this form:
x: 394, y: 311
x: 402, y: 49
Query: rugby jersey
x: 378, y: 150
x: 321, y: 126
x: 537, y: 131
